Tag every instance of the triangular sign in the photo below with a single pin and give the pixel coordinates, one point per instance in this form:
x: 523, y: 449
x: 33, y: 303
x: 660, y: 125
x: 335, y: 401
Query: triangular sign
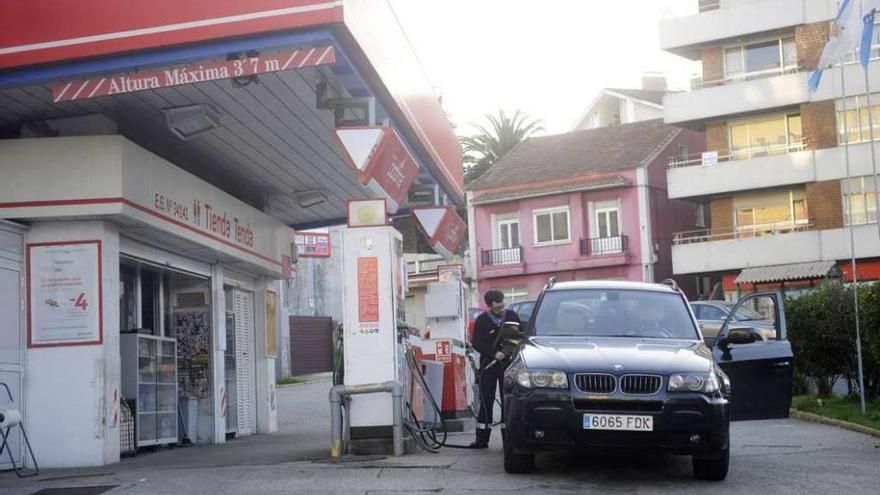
x: 359, y: 144
x: 430, y: 219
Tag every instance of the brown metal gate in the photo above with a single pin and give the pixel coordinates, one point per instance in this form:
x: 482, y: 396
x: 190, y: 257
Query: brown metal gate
x: 311, y: 344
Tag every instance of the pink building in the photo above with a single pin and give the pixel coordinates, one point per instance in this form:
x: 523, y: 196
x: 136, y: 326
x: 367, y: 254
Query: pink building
x: 583, y: 205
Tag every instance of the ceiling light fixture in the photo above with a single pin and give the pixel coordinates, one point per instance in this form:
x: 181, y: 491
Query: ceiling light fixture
x: 311, y: 197
x: 190, y: 121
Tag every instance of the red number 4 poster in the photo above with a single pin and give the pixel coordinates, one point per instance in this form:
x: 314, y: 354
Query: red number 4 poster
x: 64, y: 294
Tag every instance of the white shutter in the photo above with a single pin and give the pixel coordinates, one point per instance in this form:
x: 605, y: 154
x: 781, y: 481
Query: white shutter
x: 11, y: 332
x: 243, y: 307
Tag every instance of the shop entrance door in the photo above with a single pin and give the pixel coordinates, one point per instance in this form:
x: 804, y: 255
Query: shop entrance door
x: 245, y: 364
x: 11, y: 359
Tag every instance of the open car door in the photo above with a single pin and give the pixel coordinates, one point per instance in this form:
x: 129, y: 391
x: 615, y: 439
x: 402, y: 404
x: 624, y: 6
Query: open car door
x: 759, y: 363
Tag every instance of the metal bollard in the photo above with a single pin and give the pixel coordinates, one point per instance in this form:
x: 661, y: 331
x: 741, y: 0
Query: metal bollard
x: 338, y: 430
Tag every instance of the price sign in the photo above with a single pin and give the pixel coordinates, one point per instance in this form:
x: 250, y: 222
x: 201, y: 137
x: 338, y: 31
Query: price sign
x: 64, y: 294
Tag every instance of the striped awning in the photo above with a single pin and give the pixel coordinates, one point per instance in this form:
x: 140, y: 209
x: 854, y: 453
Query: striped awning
x: 793, y: 271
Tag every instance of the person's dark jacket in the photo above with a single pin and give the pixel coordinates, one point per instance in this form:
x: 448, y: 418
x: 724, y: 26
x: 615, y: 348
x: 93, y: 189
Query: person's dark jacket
x: 486, y: 340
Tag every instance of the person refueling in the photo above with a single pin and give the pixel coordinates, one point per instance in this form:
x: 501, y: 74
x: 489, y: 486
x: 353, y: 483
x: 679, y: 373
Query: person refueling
x: 493, y: 361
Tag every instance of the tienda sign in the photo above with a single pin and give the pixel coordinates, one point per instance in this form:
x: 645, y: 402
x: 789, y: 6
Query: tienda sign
x: 381, y: 160
x: 194, y: 73
x: 444, y: 228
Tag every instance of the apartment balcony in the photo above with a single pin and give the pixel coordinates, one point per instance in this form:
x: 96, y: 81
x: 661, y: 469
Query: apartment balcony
x: 766, y: 245
x: 724, y: 19
x: 742, y: 94
x: 743, y: 170
x: 603, y: 251
x: 716, y: 96
x: 502, y: 262
x: 713, y: 250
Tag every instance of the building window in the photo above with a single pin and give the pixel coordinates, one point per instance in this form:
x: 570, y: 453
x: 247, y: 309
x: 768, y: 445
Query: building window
x: 759, y: 60
x: 607, y: 220
x: 700, y: 216
x: 763, y: 213
x: 508, y: 233
x: 855, y: 123
x: 551, y: 226
x: 765, y: 136
x: 681, y: 153
x: 514, y: 294
x: 859, y: 201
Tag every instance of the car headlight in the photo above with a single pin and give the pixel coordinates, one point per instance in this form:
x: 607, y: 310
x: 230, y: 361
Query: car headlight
x: 693, y: 382
x: 542, y: 379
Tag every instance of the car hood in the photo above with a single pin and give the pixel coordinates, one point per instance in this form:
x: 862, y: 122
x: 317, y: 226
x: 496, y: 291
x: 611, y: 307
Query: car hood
x: 607, y: 354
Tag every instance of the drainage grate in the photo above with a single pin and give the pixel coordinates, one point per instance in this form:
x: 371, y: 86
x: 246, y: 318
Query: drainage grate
x: 772, y: 449
x: 76, y: 490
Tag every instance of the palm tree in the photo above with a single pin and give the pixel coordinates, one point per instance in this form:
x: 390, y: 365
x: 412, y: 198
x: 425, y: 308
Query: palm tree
x: 483, y: 149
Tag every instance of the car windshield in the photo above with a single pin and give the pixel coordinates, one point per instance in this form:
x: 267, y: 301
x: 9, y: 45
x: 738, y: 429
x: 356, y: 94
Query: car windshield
x: 614, y: 313
x: 747, y: 314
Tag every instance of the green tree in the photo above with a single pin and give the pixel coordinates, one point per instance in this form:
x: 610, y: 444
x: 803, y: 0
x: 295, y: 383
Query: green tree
x: 821, y: 328
x: 495, y: 140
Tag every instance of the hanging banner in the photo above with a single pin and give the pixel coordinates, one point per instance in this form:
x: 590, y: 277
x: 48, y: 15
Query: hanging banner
x: 64, y: 294
x: 381, y: 160
x: 443, y: 227
x: 296, y: 58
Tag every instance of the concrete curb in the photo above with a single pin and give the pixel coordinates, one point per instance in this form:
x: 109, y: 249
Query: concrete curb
x: 846, y: 425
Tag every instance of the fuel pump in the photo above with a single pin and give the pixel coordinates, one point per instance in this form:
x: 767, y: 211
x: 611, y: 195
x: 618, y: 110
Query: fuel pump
x: 446, y: 312
x: 374, y: 285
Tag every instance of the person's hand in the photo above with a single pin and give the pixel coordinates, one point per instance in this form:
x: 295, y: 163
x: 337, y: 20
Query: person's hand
x: 499, y: 356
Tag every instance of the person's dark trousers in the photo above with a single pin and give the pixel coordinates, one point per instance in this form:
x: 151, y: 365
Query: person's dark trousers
x: 489, y: 384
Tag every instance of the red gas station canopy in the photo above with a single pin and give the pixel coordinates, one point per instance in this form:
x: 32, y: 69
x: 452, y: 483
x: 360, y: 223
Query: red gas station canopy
x: 33, y: 34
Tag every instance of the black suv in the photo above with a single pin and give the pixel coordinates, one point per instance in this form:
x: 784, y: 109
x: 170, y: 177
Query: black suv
x: 622, y: 365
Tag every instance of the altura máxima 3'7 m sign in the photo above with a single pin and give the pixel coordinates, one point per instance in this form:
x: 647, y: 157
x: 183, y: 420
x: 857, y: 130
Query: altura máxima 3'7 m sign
x: 194, y: 73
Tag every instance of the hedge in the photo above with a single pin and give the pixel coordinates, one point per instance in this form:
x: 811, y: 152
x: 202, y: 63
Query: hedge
x: 821, y: 328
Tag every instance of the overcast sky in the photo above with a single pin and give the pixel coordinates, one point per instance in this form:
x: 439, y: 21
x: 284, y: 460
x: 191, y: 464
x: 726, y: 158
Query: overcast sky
x: 548, y: 57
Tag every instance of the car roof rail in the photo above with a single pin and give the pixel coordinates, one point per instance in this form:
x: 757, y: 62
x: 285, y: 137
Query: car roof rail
x: 672, y: 284
x: 551, y: 282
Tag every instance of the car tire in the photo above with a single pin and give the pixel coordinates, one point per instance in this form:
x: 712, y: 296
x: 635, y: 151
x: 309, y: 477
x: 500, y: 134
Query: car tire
x: 517, y: 463
x: 712, y: 469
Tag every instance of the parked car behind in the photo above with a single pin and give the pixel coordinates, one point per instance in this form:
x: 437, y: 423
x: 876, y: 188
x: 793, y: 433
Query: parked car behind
x: 473, y: 313
x: 523, y: 309
x: 711, y: 315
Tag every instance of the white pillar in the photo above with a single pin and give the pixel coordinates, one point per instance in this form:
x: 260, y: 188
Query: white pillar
x: 267, y: 403
x: 646, y: 236
x: 218, y: 359
x: 73, y: 391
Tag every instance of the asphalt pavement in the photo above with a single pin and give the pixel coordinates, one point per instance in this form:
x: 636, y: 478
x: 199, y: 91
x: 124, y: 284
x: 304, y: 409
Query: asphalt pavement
x: 767, y: 457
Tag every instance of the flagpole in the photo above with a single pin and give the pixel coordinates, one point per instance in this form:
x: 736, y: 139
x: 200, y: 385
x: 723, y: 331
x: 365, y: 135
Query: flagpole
x: 852, y: 239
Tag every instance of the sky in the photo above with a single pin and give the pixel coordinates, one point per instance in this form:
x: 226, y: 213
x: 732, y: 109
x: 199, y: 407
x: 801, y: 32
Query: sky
x: 549, y: 58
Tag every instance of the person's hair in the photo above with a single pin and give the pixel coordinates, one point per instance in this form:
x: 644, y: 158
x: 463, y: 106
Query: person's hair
x: 493, y: 296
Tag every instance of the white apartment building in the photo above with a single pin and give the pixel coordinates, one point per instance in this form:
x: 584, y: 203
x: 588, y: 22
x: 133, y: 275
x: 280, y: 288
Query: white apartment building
x: 772, y: 185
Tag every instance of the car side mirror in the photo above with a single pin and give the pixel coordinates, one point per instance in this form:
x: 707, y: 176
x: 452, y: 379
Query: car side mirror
x: 511, y: 329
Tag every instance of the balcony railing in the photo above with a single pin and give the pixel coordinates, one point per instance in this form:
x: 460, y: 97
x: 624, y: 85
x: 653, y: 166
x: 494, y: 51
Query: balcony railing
x: 424, y: 266
x: 700, y: 81
x: 720, y: 234
x: 506, y: 256
x: 604, y: 245
x: 693, y: 159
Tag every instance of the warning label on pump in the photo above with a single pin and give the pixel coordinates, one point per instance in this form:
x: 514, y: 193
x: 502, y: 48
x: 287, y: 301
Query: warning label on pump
x: 368, y: 291
x: 443, y: 351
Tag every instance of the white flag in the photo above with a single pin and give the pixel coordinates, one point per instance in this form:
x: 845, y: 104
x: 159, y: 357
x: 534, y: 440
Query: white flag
x: 849, y: 30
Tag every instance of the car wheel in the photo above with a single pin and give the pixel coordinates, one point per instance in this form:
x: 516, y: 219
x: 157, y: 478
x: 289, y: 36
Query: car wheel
x: 517, y: 463
x: 712, y: 469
